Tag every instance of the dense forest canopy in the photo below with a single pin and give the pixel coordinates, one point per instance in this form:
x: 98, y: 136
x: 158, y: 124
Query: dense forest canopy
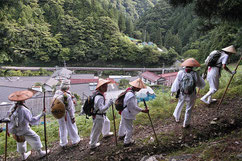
x: 97, y: 32
x: 223, y: 9
x: 190, y: 33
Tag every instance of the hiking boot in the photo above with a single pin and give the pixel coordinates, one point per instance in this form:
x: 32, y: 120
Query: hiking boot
x: 121, y: 137
x: 95, y: 146
x: 132, y: 142
x: 108, y: 135
x: 26, y: 155
x: 205, y: 101
x: 42, y: 153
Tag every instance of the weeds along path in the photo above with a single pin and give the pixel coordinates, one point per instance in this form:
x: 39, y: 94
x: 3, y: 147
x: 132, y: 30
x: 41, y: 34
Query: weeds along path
x: 207, y: 123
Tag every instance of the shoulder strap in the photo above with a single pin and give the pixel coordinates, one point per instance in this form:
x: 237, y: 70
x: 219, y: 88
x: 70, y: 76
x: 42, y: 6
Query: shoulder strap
x: 96, y: 94
x: 14, y: 109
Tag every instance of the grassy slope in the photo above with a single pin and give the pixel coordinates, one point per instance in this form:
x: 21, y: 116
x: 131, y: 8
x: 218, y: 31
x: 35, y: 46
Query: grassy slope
x: 160, y: 109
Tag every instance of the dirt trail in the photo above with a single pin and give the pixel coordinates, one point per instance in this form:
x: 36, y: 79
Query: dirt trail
x: 206, y: 123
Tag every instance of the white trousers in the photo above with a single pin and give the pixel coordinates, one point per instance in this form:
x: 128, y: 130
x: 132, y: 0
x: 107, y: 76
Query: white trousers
x: 67, y: 128
x: 101, y: 124
x: 32, y: 138
x: 126, y: 128
x: 177, y: 113
x: 213, y: 80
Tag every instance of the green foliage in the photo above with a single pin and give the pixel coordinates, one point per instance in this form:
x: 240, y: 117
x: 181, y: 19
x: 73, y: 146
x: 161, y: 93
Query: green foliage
x: 123, y: 83
x: 41, y: 72
x: 77, y: 31
x: 189, y: 34
x: 192, y: 53
x: 223, y: 9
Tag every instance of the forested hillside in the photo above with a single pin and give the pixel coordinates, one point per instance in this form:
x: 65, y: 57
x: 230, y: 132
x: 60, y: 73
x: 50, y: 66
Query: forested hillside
x: 133, y: 8
x: 83, y: 32
x: 95, y: 32
x: 192, y: 36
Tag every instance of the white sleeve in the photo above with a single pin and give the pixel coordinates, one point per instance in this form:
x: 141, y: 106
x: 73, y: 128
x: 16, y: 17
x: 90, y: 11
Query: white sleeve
x: 175, y: 86
x: 200, y: 83
x: 133, y: 106
x: 99, y: 103
x: 32, y: 120
x: 71, y: 107
x: 225, y: 59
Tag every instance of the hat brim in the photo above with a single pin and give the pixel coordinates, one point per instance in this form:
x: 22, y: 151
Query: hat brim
x: 20, y: 95
x: 102, y: 83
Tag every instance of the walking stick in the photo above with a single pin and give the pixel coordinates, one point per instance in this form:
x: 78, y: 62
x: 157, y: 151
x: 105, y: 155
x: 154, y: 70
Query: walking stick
x: 45, y: 125
x: 229, y: 83
x: 114, y: 127
x: 151, y: 122
x: 6, y: 142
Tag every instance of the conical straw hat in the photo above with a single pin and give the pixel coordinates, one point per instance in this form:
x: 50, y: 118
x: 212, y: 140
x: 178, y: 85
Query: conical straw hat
x: 191, y: 62
x: 138, y: 83
x: 102, y: 82
x: 20, y: 95
x: 230, y: 49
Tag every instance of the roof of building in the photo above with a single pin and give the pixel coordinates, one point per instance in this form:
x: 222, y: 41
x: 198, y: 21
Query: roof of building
x: 83, y: 81
x: 150, y: 76
x: 22, y: 82
x: 62, y: 73
x: 82, y: 76
x: 81, y: 89
x: 168, y: 74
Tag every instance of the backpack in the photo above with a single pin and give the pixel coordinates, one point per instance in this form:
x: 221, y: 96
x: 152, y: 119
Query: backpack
x: 213, y: 58
x: 58, y: 106
x: 187, y: 84
x: 119, y: 103
x: 88, y: 107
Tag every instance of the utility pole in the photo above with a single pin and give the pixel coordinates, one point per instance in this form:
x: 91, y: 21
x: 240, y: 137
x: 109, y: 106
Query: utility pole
x: 64, y: 63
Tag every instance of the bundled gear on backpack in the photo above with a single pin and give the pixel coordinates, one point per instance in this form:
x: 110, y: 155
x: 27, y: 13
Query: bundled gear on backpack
x: 58, y: 107
x: 187, y: 84
x: 88, y: 107
x: 119, y: 103
x: 212, y: 59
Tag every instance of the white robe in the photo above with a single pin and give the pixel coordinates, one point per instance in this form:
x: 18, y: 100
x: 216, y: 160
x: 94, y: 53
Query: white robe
x: 188, y: 99
x: 128, y: 115
x: 214, y: 73
x: 101, y: 123
x: 19, y: 125
x: 66, y: 127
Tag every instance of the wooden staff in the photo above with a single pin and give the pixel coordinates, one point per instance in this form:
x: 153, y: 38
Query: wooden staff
x: 229, y: 83
x: 45, y: 124
x: 151, y: 122
x: 6, y: 142
x: 114, y: 126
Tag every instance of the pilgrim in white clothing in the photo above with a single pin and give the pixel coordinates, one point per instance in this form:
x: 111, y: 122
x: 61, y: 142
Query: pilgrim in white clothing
x: 214, y: 73
x: 67, y: 125
x: 130, y: 112
x: 19, y: 125
x: 186, y: 98
x: 101, y: 123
